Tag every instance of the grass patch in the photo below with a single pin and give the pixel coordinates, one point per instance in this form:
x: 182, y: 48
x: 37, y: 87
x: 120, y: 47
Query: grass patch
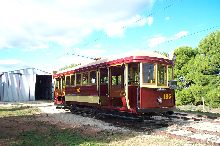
x: 67, y: 137
x: 19, y: 127
x: 17, y: 111
x: 54, y: 136
x: 199, y: 110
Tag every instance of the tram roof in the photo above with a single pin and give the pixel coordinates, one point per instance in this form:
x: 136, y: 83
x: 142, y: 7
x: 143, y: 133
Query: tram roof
x: 136, y: 56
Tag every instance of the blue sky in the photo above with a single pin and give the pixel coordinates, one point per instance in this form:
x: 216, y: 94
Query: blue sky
x: 41, y: 33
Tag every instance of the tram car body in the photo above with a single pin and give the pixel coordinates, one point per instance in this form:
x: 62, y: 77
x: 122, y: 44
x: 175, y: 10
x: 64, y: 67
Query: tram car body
x: 136, y: 83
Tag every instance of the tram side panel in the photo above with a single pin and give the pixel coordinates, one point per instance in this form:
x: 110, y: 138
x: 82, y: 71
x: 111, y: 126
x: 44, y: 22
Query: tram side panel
x: 132, y: 96
x: 158, y: 101
x: 82, y: 95
x: 103, y: 94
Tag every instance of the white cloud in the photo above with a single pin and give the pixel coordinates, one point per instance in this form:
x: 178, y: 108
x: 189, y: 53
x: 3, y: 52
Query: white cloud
x: 150, y: 21
x: 69, y: 58
x: 167, y: 18
x: 32, y: 24
x: 118, y: 28
x: 10, y: 62
x: 181, y: 34
x: 93, y: 52
x: 157, y: 40
x: 11, y: 65
x: 115, y: 29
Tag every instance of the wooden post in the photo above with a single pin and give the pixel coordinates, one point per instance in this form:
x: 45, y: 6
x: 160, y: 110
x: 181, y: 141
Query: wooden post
x: 203, y: 103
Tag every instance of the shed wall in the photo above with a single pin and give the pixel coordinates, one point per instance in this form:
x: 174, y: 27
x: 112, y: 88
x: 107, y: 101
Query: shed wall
x: 18, y: 85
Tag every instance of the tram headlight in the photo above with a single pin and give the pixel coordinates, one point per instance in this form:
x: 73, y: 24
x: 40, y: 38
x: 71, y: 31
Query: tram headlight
x: 159, y: 99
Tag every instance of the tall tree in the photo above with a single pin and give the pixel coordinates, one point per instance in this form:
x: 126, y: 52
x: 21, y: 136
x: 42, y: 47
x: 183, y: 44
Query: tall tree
x: 68, y: 66
x: 209, y: 51
x: 184, y: 55
x: 199, y: 70
x: 208, y: 62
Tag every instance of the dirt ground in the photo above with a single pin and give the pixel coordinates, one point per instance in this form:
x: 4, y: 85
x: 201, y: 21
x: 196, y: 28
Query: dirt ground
x: 16, y: 119
x: 40, y: 117
x: 11, y: 127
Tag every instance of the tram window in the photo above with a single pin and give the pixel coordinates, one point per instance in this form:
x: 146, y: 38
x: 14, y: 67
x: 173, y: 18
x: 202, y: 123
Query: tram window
x: 149, y: 73
x: 133, y: 74
x: 117, y: 73
x: 63, y: 82
x: 104, y: 80
x: 78, y: 79
x: 85, y: 78
x: 116, y: 80
x: 67, y: 80
x: 161, y: 74
x: 57, y: 85
x: 72, y: 82
x: 170, y: 73
x: 103, y: 76
x: 92, y: 77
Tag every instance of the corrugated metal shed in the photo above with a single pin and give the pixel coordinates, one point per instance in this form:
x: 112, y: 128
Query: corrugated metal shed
x: 20, y: 85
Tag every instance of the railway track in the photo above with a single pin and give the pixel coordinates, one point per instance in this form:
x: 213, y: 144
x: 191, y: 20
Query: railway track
x: 197, y: 128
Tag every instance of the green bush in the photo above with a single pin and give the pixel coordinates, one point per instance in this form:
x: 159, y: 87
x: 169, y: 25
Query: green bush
x: 184, y: 97
x: 213, y: 98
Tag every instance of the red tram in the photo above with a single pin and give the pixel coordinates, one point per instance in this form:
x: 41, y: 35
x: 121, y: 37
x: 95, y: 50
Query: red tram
x: 136, y: 83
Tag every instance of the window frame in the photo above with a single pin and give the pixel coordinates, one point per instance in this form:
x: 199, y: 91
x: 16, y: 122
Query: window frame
x: 118, y: 80
x: 154, y: 74
x: 119, y: 77
x: 154, y: 85
x: 102, y: 78
x: 133, y: 80
x: 63, y: 82
x: 165, y: 75
x: 89, y: 78
x: 67, y: 85
x: 80, y: 84
x: 74, y: 84
x: 84, y: 84
x: 58, y: 83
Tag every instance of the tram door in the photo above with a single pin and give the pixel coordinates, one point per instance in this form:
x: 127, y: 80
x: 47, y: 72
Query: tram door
x: 103, y: 86
x: 117, y: 88
x: 134, y: 85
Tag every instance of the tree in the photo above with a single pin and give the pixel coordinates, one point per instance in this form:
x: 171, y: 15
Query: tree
x: 209, y: 51
x: 199, y: 70
x: 184, y: 57
x: 162, y: 53
x: 68, y: 66
x: 207, y: 62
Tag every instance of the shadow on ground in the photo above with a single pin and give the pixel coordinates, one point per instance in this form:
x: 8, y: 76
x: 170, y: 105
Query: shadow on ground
x: 28, y: 129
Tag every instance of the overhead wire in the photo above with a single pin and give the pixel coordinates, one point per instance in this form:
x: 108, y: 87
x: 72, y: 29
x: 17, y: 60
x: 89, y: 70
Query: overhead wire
x: 151, y: 13
x: 83, y: 56
x: 192, y: 34
x: 188, y: 35
x: 168, y: 41
x: 171, y: 3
